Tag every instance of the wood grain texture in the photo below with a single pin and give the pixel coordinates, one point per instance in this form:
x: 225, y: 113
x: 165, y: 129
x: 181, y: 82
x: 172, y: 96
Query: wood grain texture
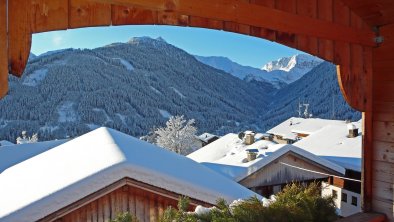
x: 49, y: 15
x: 87, y: 13
x: 19, y: 31
x: 245, y: 13
x: 3, y: 49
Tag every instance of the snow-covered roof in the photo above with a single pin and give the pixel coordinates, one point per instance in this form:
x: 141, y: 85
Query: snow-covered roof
x: 227, y: 156
x: 6, y: 143
x: 289, y: 128
x: 332, y: 143
x: 206, y: 137
x: 14, y: 154
x: 64, y: 174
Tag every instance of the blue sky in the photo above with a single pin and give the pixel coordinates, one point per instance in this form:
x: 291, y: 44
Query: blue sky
x: 242, y: 49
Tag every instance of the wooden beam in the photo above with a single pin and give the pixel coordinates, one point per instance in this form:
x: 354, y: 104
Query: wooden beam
x: 257, y: 15
x: 19, y: 35
x: 3, y: 49
x: 86, y: 13
x: 49, y: 15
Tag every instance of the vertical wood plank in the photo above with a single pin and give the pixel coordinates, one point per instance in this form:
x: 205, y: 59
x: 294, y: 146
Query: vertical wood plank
x: 95, y: 211
x: 49, y: 15
x: 146, y: 207
x: 368, y: 144
x: 153, y: 208
x: 305, y: 43
x: 19, y: 31
x: 85, y: 13
x: 284, y: 38
x: 325, y: 12
x: 139, y: 204
x: 100, y: 209
x: 3, y: 49
x: 107, y: 208
x: 132, y: 201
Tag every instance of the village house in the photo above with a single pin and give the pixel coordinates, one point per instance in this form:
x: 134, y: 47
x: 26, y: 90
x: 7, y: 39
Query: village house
x: 100, y: 174
x: 340, y: 144
x: 327, y: 153
x: 206, y: 138
x: 296, y: 128
x: 263, y: 166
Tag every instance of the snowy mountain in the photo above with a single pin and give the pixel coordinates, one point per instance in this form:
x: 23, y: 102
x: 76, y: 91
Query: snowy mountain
x: 279, y: 73
x: 130, y: 87
x: 290, y: 69
x: 247, y: 73
x: 137, y: 85
x: 319, y: 88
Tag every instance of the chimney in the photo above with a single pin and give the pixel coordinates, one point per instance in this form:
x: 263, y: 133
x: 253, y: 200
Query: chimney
x: 353, y: 131
x: 249, y: 138
x: 251, y: 154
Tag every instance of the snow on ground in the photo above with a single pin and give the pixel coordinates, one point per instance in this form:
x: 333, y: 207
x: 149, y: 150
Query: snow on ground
x: 67, y: 113
x: 6, y: 143
x: 123, y: 118
x: 165, y: 113
x: 92, y: 126
x: 155, y: 90
x: 125, y: 63
x: 35, y: 78
x: 95, y: 160
x: 49, y: 128
x: 177, y: 92
x: 103, y: 111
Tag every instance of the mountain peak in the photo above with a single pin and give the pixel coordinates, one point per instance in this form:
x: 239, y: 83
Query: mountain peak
x: 296, y: 61
x: 146, y: 39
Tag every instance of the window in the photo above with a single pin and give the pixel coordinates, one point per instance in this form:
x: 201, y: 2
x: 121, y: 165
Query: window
x: 334, y: 194
x: 354, y: 200
x: 344, y: 197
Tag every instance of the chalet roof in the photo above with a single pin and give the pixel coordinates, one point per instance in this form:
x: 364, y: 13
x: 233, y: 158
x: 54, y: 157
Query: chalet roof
x: 289, y: 128
x: 332, y: 143
x: 227, y: 156
x: 206, y: 137
x: 64, y: 174
x: 16, y: 153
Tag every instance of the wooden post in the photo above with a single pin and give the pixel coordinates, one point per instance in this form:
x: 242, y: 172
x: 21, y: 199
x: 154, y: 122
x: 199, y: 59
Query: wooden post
x: 19, y: 32
x: 3, y: 49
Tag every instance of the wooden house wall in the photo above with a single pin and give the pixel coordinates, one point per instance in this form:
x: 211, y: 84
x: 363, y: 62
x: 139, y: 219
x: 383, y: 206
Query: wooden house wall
x: 146, y: 206
x: 382, y: 126
x: 278, y: 173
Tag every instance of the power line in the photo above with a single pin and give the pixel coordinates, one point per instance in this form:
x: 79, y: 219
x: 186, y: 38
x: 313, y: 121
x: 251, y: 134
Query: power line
x: 326, y: 174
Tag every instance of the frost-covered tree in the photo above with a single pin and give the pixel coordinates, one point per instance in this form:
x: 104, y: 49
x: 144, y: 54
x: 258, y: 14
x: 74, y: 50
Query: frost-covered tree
x: 178, y: 135
x: 27, y: 139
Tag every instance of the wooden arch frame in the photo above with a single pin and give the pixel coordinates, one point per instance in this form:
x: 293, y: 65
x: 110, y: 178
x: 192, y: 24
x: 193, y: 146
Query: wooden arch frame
x: 325, y: 28
x: 328, y: 29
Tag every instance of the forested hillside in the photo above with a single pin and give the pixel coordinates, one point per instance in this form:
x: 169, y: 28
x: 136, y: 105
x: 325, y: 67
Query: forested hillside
x: 319, y: 88
x: 135, y: 86
x: 126, y: 86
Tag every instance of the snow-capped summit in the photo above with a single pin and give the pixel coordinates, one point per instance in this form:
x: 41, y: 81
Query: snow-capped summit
x: 290, y: 69
x: 146, y: 39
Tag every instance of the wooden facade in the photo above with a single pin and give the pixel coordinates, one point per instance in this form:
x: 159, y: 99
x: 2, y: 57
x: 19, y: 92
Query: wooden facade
x: 277, y: 173
x: 144, y: 201
x: 356, y: 35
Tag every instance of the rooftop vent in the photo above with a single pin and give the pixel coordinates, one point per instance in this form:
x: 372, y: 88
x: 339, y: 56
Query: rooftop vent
x: 249, y: 138
x: 353, y: 131
x: 251, y: 154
